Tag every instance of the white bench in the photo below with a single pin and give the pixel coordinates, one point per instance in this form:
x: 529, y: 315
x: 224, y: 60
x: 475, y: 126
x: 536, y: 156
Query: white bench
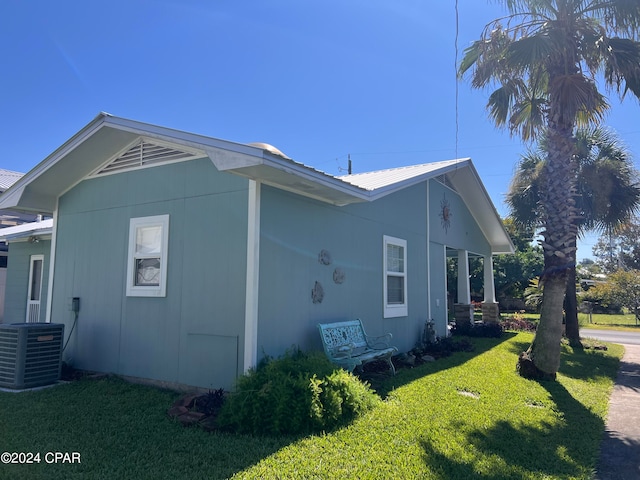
x: 346, y: 344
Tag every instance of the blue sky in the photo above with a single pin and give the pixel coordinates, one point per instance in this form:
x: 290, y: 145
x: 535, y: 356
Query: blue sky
x: 320, y: 80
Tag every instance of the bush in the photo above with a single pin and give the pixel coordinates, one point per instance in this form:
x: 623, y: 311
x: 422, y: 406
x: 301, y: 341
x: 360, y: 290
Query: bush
x: 486, y: 330
x: 442, y: 347
x: 518, y: 322
x: 297, y: 393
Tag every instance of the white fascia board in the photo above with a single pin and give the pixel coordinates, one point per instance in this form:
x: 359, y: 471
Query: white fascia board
x: 213, y: 147
x: 472, y: 190
x: 297, y: 178
x: 11, y: 197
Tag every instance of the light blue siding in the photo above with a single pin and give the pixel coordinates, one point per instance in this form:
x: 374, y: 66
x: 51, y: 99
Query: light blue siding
x: 194, y: 335
x: 17, y: 287
x: 295, y: 230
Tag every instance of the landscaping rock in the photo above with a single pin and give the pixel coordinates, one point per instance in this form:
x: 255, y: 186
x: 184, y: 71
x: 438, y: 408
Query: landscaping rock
x: 428, y: 358
x: 186, y: 400
x: 190, y: 418
x: 177, y: 411
x: 406, y: 359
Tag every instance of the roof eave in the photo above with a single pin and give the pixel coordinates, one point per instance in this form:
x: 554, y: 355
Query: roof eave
x: 482, y: 209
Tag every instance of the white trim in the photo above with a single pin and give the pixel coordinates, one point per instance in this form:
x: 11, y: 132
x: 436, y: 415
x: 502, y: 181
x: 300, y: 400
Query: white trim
x: 52, y: 263
x: 429, y: 315
x: 148, y: 291
x: 446, y: 287
x: 31, y: 318
x: 253, y: 270
x: 399, y: 309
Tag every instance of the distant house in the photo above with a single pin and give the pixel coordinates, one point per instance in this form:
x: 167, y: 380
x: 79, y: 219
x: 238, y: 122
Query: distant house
x: 192, y: 256
x: 8, y: 219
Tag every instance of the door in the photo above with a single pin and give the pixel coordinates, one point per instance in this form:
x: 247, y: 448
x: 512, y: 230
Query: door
x: 35, y: 288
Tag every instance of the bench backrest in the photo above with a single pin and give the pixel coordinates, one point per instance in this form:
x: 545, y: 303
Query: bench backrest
x: 335, y: 335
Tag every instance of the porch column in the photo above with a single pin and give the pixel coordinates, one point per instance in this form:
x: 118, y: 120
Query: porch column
x: 463, y: 310
x: 490, y: 310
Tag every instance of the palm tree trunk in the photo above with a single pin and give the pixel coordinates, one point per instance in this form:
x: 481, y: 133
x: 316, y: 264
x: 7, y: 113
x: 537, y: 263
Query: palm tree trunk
x: 571, y: 310
x: 542, y: 360
x: 545, y: 349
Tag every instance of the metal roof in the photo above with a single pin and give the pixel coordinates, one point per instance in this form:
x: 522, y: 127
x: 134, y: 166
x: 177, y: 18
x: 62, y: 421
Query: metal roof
x: 8, y: 178
x: 383, y: 178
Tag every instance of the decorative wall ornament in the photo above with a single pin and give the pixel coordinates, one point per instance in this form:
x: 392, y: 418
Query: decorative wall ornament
x: 445, y: 213
x: 338, y: 276
x: 324, y: 257
x: 317, y: 293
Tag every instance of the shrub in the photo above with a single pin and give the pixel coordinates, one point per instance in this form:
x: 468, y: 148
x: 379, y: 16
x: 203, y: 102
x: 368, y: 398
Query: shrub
x: 486, y: 330
x: 519, y: 323
x: 443, y: 347
x: 297, y: 393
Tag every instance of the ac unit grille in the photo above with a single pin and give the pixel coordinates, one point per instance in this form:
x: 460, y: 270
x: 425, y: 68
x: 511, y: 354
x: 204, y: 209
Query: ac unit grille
x: 30, y: 354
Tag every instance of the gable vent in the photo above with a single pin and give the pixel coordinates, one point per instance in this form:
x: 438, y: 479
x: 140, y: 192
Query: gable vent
x: 444, y: 179
x: 146, y: 154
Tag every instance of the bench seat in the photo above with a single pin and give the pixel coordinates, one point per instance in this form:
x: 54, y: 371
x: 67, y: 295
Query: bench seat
x: 347, y: 345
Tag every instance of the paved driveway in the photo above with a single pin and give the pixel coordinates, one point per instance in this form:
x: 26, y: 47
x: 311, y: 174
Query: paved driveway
x: 613, y: 336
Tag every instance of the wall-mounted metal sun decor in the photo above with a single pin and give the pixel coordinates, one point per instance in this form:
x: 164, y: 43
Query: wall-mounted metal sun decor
x: 445, y: 213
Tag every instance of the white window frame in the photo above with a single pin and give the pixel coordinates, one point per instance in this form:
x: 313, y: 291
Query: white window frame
x: 135, y: 224
x: 393, y: 310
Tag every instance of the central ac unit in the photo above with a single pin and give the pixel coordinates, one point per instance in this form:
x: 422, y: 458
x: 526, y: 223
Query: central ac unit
x: 30, y: 354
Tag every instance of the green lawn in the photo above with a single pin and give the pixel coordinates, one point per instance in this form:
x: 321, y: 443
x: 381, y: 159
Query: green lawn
x: 467, y: 416
x: 600, y: 320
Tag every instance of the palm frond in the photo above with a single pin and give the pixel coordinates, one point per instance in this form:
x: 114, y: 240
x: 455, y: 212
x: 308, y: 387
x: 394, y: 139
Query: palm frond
x: 577, y: 97
x: 528, y: 52
x: 622, y: 65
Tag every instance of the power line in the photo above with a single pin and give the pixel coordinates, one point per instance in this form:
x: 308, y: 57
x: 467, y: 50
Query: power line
x: 455, y: 70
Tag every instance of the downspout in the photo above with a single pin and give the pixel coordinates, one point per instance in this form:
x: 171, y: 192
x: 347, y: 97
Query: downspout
x: 252, y: 280
x: 429, y: 317
x: 52, y: 263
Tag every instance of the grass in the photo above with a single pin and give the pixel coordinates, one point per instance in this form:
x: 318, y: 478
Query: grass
x: 601, y: 320
x: 466, y: 416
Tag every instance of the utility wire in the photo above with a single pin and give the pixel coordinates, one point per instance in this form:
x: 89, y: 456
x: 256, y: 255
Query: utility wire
x: 455, y: 69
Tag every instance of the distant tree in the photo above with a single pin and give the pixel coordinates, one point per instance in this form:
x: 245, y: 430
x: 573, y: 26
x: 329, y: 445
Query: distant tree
x: 619, y: 247
x: 513, y: 273
x: 623, y: 287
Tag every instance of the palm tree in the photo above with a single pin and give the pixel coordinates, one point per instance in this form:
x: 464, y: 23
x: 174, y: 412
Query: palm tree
x: 544, y: 58
x: 608, y: 194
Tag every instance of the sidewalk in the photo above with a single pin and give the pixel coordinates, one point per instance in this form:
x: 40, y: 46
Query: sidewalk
x: 620, y: 450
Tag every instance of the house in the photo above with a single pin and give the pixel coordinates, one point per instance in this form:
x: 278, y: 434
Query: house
x: 8, y: 219
x: 184, y: 259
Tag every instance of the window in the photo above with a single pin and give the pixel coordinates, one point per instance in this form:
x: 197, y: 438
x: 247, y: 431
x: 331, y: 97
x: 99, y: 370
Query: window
x: 395, y: 277
x: 147, y: 263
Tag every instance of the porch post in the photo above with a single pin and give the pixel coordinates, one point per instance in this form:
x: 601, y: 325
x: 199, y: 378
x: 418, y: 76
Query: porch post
x: 463, y: 310
x: 490, y: 310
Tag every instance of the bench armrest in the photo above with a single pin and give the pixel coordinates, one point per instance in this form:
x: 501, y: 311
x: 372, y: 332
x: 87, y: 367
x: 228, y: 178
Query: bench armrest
x: 379, y: 342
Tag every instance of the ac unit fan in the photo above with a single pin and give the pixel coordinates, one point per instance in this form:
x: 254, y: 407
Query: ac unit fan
x: 30, y: 354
